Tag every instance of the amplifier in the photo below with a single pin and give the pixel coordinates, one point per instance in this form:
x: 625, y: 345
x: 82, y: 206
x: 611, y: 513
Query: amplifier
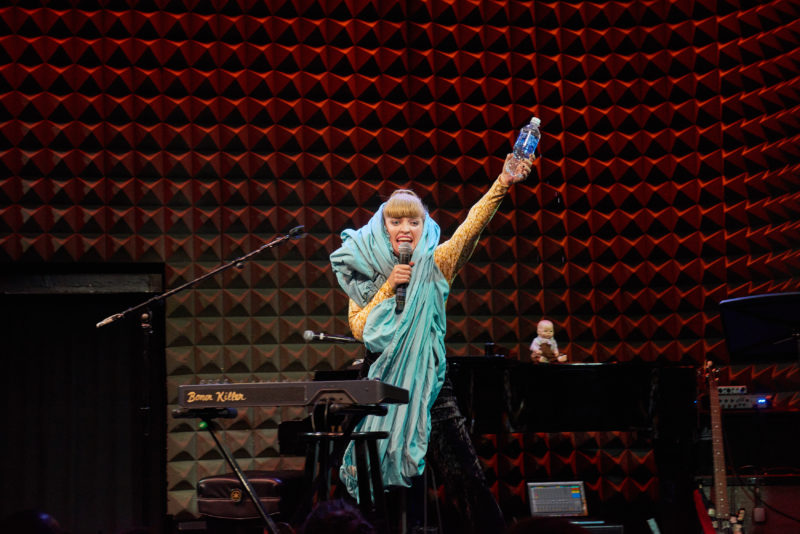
x: 739, y: 401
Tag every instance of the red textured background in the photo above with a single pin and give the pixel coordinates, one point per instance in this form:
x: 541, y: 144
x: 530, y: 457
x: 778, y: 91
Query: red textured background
x: 188, y: 133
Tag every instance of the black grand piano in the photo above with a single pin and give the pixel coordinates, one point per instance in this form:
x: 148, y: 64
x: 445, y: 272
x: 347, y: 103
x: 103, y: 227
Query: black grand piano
x: 499, y: 395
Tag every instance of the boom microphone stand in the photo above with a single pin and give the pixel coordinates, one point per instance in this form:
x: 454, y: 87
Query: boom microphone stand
x: 294, y: 233
x: 146, y: 321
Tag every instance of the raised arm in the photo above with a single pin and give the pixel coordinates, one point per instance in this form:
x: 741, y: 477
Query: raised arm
x: 454, y: 253
x: 450, y: 256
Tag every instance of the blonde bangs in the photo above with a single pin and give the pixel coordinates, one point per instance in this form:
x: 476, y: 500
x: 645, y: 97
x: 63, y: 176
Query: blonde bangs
x: 404, y: 203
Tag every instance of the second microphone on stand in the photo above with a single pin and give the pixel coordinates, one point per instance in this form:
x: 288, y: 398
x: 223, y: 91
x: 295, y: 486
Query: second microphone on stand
x: 404, y: 250
x: 310, y: 335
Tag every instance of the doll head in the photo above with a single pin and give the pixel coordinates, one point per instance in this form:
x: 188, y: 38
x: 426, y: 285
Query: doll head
x: 544, y: 329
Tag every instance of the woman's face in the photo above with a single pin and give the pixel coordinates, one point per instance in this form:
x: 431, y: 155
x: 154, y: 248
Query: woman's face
x: 403, y: 230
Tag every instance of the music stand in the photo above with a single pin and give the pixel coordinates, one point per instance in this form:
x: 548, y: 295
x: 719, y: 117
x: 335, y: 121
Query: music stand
x: 762, y: 328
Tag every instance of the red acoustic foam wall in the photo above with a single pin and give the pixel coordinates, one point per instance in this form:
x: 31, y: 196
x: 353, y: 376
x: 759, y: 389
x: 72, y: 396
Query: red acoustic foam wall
x: 188, y: 133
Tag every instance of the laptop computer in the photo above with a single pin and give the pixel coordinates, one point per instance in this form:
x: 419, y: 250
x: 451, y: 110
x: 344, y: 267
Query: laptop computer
x: 562, y: 499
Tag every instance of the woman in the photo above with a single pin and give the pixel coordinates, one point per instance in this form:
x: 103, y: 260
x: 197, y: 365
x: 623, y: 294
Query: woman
x: 407, y: 348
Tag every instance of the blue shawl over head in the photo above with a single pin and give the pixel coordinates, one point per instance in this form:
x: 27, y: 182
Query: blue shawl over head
x: 411, y: 344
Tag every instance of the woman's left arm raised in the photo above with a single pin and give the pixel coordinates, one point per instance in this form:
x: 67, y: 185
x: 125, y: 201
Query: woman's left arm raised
x: 454, y: 253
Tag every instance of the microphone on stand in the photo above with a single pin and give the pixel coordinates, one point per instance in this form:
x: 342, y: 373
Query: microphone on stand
x: 297, y: 232
x: 108, y: 320
x: 309, y: 335
x: 404, y: 249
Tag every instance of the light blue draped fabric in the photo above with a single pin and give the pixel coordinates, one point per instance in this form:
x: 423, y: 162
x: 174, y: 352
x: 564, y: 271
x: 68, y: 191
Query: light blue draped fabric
x: 411, y: 344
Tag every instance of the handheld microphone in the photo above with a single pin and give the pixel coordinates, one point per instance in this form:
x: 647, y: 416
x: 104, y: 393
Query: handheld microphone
x: 309, y: 335
x: 400, y: 293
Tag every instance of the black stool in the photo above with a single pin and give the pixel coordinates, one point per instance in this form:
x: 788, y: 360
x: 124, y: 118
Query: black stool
x: 322, y: 457
x: 221, y: 499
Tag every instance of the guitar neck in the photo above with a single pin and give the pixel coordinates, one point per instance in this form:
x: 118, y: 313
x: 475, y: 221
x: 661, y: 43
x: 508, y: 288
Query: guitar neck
x: 720, y: 481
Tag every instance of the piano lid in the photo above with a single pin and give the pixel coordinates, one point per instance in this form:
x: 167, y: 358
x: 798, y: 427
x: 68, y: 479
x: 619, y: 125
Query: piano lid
x: 512, y: 396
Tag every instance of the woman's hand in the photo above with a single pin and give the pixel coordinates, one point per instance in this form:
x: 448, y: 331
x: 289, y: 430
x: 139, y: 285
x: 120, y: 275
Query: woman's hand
x: 401, y: 274
x: 524, y: 168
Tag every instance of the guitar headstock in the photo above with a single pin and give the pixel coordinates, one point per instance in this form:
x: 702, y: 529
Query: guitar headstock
x: 710, y: 373
x: 705, y: 376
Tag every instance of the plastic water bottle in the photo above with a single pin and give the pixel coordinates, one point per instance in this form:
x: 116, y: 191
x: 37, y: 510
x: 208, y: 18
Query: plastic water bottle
x: 526, y: 143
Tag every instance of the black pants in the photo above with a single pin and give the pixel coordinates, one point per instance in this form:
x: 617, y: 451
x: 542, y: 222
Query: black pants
x: 455, y: 462
x: 470, y: 506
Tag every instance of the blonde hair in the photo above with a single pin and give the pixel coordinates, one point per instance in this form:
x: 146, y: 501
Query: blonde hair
x: 404, y: 203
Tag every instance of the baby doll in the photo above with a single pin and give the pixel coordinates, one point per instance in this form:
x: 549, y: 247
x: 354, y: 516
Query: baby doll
x: 544, y: 348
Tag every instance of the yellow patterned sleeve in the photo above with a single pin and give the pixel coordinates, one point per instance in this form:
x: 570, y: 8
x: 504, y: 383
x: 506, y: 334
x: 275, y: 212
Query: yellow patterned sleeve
x: 357, y: 317
x: 451, y: 255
